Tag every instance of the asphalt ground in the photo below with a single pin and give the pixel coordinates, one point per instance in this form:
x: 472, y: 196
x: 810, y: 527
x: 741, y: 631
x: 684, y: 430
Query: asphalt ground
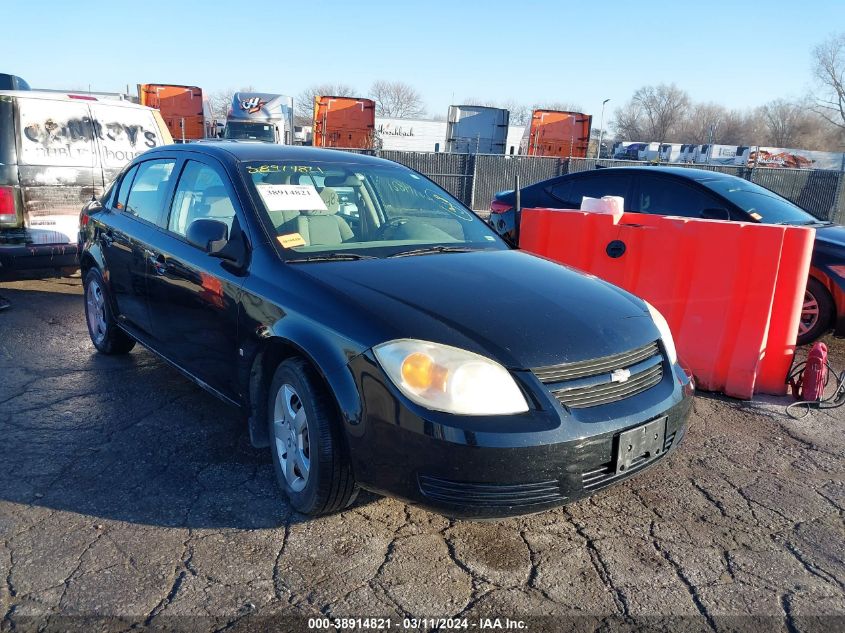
x: 128, y: 497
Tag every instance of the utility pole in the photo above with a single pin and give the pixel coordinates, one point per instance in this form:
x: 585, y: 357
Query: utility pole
x: 601, y: 128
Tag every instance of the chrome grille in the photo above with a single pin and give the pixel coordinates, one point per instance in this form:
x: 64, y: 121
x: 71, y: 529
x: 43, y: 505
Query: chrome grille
x: 590, y: 383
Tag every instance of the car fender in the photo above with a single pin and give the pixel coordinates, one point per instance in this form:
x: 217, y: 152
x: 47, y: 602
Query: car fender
x: 91, y: 256
x: 327, y: 351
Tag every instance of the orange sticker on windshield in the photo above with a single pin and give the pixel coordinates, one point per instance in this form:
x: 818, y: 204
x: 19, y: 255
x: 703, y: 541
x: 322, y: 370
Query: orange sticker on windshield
x: 290, y: 240
x: 756, y: 216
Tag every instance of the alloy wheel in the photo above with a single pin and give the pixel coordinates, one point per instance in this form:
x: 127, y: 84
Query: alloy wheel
x: 290, y: 432
x: 96, y: 302
x: 809, y: 314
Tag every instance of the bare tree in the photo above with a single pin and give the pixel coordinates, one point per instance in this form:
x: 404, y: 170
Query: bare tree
x: 703, y: 123
x: 738, y: 127
x: 663, y: 108
x: 785, y: 121
x: 396, y: 99
x: 304, y: 102
x: 520, y: 114
x: 221, y: 100
x: 820, y: 134
x: 628, y: 122
x: 563, y: 106
x: 829, y: 71
x: 665, y: 113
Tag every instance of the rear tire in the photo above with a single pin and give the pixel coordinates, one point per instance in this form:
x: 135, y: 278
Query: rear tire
x: 817, y: 314
x: 106, y: 336
x: 309, y: 455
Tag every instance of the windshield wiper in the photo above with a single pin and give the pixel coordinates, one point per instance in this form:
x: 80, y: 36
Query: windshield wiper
x: 802, y: 223
x: 330, y: 257
x: 428, y: 250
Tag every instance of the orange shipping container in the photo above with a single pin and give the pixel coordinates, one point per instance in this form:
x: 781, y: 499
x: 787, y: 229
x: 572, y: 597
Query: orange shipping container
x: 179, y: 105
x: 344, y: 122
x: 556, y: 133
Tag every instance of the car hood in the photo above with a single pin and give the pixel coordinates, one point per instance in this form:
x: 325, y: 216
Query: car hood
x: 522, y: 310
x: 833, y: 235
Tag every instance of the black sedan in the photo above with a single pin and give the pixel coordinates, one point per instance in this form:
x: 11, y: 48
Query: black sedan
x: 400, y: 346
x: 698, y: 193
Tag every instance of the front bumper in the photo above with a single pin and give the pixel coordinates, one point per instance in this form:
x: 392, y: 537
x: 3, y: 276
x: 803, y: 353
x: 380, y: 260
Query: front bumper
x: 504, y: 465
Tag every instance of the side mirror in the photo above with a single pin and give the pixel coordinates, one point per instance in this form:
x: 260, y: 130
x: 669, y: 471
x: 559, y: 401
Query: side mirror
x: 209, y: 235
x: 93, y: 206
x: 716, y: 214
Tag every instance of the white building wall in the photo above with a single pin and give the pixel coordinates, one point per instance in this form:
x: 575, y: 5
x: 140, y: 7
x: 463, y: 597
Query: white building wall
x: 423, y: 135
x: 414, y: 135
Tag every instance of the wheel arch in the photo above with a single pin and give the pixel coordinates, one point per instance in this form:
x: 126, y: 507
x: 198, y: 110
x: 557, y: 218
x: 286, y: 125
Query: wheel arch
x: 269, y: 352
x: 87, y: 261
x: 92, y: 257
x: 837, y: 296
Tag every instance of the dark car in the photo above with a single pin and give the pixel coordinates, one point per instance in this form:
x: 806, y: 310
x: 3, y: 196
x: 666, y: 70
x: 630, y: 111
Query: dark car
x: 698, y: 193
x: 404, y: 348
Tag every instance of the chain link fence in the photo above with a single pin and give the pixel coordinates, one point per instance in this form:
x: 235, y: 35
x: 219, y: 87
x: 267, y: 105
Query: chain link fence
x: 475, y: 178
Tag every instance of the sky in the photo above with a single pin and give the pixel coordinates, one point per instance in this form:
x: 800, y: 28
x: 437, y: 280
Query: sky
x: 739, y: 54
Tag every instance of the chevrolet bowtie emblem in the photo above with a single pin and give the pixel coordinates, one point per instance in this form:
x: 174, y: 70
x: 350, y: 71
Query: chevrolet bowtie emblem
x: 620, y: 375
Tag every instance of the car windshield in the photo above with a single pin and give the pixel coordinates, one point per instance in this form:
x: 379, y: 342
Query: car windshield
x: 336, y: 210
x: 760, y: 203
x: 249, y: 131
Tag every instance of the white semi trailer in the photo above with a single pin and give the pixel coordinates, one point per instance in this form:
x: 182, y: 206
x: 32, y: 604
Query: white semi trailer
x: 260, y: 116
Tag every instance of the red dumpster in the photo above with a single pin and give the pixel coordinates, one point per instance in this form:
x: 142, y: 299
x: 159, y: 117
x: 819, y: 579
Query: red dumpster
x: 731, y: 291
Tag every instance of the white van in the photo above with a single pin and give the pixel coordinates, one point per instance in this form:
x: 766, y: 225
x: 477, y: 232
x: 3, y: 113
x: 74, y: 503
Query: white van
x: 57, y: 151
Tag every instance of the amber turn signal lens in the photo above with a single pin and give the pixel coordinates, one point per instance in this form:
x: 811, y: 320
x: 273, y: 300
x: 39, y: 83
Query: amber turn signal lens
x: 419, y: 371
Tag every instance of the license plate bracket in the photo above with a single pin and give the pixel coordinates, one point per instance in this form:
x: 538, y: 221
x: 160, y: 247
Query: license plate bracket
x: 640, y: 445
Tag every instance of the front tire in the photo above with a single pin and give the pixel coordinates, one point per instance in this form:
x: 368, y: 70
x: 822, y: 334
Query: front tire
x: 309, y: 455
x: 817, y: 313
x: 106, y: 336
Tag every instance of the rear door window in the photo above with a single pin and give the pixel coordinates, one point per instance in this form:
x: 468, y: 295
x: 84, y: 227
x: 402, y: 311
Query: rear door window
x: 149, y: 188
x: 669, y: 196
x: 571, y: 191
x: 123, y: 191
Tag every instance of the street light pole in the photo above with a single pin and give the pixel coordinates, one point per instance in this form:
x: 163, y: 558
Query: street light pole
x: 601, y: 129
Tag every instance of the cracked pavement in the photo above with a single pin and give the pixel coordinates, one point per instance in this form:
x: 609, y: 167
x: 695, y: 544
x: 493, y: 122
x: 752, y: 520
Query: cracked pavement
x: 127, y: 492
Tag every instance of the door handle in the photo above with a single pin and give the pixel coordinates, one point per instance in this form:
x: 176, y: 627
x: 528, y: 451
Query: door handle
x: 157, y: 261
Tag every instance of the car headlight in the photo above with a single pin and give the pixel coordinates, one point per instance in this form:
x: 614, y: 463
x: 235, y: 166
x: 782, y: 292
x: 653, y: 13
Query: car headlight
x: 665, y: 332
x: 445, y: 378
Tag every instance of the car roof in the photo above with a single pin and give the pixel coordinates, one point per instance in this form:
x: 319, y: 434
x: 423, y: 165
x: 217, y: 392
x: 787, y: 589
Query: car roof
x: 76, y: 97
x: 248, y: 151
x: 690, y: 173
